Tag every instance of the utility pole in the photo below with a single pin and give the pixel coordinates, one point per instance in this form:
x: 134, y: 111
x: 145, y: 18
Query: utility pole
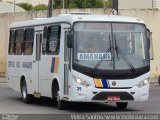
x: 50, y: 8
x: 63, y: 3
x: 104, y: 6
x: 115, y: 5
x: 14, y: 6
x: 152, y: 4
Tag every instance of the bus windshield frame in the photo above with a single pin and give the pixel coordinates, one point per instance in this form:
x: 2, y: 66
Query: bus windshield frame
x: 105, y: 49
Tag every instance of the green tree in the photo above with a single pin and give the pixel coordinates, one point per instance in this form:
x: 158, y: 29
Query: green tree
x: 109, y: 3
x: 82, y: 4
x: 40, y: 7
x: 26, y: 6
x: 72, y: 5
x: 57, y: 4
x: 99, y: 4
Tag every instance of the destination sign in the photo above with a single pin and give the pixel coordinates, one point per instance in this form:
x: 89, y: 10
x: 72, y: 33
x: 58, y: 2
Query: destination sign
x: 94, y: 56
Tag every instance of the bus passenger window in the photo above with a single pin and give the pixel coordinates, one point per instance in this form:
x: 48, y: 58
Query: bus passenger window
x: 28, y: 41
x: 11, y: 42
x: 44, y: 40
x: 53, y: 39
x: 19, y: 35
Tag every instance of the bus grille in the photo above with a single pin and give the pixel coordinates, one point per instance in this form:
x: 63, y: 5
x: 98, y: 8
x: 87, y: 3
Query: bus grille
x: 104, y: 95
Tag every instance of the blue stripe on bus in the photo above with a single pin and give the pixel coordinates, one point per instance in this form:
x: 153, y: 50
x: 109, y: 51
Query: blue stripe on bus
x: 105, y: 83
x: 52, y: 65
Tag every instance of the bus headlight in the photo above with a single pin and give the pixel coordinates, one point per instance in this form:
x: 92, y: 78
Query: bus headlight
x: 80, y: 81
x: 143, y: 83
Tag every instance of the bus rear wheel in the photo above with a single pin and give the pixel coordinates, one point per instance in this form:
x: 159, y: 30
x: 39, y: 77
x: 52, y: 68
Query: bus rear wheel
x: 122, y: 105
x: 25, y: 96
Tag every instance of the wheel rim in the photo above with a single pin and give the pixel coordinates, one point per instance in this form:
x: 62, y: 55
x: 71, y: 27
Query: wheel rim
x: 24, y: 92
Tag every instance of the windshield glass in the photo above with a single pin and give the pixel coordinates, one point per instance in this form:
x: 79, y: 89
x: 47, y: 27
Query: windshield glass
x: 97, y: 43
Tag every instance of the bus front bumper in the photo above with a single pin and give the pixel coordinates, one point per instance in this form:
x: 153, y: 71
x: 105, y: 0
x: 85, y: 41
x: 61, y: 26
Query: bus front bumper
x: 92, y: 94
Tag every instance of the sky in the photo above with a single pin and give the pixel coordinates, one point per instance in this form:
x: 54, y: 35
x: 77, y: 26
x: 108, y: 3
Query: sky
x: 33, y: 2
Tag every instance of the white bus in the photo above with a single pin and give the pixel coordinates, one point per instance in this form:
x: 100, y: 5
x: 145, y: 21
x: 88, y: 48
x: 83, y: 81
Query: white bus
x: 80, y: 58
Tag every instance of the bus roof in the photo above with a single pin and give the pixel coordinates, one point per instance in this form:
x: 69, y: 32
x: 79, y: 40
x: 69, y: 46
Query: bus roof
x: 70, y: 18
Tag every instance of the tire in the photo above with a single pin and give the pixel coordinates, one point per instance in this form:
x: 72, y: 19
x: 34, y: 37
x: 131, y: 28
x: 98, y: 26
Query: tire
x: 159, y: 79
x: 61, y: 104
x: 25, y: 96
x: 122, y: 105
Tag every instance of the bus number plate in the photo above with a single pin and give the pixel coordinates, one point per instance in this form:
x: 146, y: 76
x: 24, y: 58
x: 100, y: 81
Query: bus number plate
x: 113, y: 98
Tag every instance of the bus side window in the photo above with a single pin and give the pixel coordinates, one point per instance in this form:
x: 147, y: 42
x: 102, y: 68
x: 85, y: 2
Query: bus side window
x: 53, y: 40
x: 11, y: 42
x: 44, y: 40
x: 28, y: 41
x: 19, y: 36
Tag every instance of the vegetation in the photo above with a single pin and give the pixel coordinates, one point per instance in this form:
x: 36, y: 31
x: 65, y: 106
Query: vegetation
x: 40, y: 7
x: 69, y: 4
x: 82, y: 4
x: 26, y: 6
x: 29, y: 7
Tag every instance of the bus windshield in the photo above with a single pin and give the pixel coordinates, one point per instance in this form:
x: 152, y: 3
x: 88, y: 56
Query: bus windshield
x: 110, y: 46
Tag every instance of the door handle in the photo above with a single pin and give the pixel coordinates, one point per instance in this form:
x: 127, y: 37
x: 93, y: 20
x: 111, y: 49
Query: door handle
x: 34, y: 61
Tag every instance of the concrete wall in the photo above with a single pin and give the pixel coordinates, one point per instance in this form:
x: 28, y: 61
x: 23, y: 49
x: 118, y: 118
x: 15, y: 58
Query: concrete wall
x: 150, y: 17
x: 139, y: 4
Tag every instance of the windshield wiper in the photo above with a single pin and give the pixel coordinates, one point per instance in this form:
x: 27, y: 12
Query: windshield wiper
x: 100, y: 61
x: 120, y: 52
x: 116, y: 47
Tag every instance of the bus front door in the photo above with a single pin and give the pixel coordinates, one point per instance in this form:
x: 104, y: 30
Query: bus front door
x: 67, y: 53
x: 36, y: 62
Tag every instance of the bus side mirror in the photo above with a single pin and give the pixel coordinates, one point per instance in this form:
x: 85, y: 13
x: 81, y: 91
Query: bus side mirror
x: 70, y: 40
x: 150, y: 44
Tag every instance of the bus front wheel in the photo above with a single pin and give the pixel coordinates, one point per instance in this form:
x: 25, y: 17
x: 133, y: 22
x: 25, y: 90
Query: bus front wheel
x: 25, y: 96
x: 61, y: 104
x: 122, y: 105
